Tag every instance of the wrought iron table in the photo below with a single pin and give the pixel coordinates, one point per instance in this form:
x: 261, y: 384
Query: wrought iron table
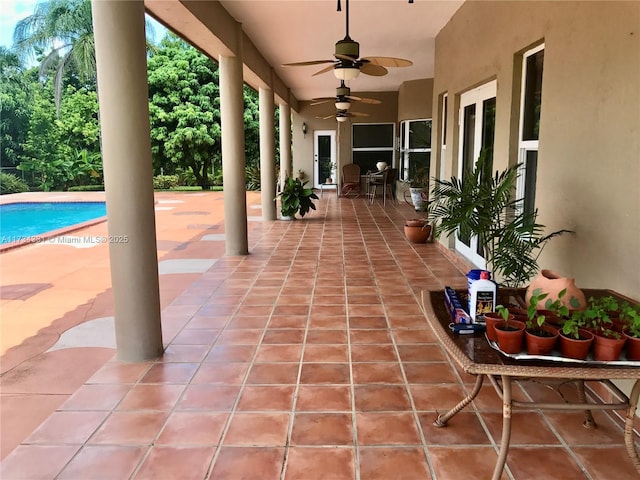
x: 476, y: 357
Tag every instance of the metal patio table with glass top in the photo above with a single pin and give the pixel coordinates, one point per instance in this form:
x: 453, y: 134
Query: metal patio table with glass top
x: 475, y: 356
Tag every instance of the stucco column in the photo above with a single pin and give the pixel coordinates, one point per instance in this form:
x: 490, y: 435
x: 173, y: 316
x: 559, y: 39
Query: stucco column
x: 233, y: 161
x: 126, y: 153
x: 286, y: 166
x: 267, y: 154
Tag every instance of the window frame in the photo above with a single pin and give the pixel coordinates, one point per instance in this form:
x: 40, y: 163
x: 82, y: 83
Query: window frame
x: 527, y: 177
x: 390, y: 149
x: 406, y: 150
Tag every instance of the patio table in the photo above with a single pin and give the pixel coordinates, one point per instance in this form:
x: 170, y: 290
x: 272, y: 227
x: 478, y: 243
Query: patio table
x: 475, y: 356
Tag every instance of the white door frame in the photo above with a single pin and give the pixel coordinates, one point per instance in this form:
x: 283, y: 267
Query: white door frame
x: 317, y: 181
x: 473, y: 97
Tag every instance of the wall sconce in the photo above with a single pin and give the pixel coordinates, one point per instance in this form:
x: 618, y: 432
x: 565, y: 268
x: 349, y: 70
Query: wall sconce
x: 304, y: 129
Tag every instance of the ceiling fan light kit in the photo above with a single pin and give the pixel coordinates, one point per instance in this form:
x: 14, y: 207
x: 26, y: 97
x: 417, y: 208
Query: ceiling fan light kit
x: 343, y: 105
x: 346, y: 72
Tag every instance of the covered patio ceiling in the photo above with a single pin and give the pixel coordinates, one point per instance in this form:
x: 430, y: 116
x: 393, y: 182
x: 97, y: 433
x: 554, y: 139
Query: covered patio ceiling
x: 295, y: 31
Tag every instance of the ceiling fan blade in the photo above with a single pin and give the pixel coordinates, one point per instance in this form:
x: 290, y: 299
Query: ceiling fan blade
x: 344, y: 57
x: 373, y: 70
x: 304, y: 64
x: 324, y: 70
x: 357, y: 114
x: 388, y: 61
x: 370, y: 101
x: 327, y: 117
x: 320, y: 101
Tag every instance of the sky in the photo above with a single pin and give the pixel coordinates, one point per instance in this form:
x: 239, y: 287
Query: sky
x: 11, y: 11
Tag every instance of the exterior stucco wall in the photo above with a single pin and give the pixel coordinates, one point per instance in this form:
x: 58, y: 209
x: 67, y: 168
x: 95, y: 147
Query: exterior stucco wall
x: 589, y: 146
x: 415, y: 99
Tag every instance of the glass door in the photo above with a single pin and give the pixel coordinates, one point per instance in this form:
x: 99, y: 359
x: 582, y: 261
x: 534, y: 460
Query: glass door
x: 324, y: 157
x: 477, y: 122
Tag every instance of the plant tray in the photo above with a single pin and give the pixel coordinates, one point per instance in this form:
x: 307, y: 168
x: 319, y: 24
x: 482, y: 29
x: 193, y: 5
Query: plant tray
x: 556, y: 357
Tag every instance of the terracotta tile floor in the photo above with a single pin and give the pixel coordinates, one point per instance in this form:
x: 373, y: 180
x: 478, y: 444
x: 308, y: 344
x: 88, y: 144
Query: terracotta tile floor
x: 307, y: 359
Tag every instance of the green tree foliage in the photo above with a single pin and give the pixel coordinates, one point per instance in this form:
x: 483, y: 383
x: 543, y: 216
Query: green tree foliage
x: 184, y: 110
x: 14, y: 108
x: 63, y: 151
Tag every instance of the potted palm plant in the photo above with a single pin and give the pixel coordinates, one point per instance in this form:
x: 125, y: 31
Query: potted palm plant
x: 295, y: 197
x: 484, y: 205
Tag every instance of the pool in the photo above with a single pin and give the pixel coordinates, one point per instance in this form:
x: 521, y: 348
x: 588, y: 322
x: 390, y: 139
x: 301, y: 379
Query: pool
x: 24, y: 222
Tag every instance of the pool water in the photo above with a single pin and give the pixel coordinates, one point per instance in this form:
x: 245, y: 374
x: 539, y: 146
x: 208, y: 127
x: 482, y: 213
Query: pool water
x: 23, y: 221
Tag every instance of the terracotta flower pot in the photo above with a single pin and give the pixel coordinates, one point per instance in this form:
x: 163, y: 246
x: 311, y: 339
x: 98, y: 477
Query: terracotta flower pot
x: 607, y: 349
x: 541, y: 340
x: 576, y: 348
x: 633, y: 347
x: 552, y: 283
x: 510, y: 336
x: 490, y: 320
x: 419, y: 234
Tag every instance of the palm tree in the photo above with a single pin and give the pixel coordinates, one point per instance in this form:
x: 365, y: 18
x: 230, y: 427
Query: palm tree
x: 62, y: 31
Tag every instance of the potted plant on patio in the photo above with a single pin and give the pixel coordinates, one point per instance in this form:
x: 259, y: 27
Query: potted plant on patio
x: 417, y: 230
x: 509, y: 332
x: 295, y: 198
x: 575, y: 341
x: 419, y: 189
x: 540, y: 338
x: 608, y: 343
x: 630, y: 315
x: 484, y: 206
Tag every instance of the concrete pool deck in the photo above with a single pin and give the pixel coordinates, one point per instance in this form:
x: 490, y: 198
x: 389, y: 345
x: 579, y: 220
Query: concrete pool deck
x: 56, y: 327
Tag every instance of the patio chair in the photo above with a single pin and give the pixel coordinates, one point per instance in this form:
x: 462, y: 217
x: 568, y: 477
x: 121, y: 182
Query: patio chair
x: 385, y: 179
x: 350, y: 181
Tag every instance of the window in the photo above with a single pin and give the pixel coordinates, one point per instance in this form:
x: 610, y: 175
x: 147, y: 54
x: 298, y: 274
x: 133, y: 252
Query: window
x: 530, y: 106
x: 372, y: 143
x: 443, y: 141
x: 415, y: 146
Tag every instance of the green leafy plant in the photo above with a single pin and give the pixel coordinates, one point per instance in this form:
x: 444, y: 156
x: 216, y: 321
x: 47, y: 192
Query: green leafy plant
x: 483, y: 204
x: 631, y: 315
x: 534, y: 318
x: 296, y: 198
x: 11, y: 184
x: 597, y: 315
x: 503, y: 312
x: 419, y: 178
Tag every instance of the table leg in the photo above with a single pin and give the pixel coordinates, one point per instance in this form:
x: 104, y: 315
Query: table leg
x: 506, y: 427
x: 442, y: 420
x: 589, y: 421
x: 629, y: 435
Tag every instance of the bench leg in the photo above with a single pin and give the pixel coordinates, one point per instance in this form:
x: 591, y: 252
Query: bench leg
x: 442, y: 420
x: 506, y: 427
x: 629, y: 436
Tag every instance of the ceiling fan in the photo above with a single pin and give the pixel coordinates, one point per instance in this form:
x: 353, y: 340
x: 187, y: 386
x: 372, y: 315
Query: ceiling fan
x: 344, y: 98
x: 348, y: 63
x: 343, y: 115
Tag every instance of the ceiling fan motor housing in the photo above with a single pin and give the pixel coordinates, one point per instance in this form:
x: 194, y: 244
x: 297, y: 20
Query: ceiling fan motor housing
x: 343, y: 91
x: 348, y: 47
